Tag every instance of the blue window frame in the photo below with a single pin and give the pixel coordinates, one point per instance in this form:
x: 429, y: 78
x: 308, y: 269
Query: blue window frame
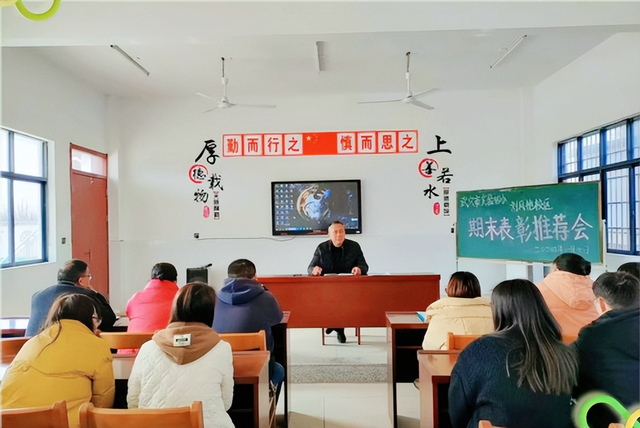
x: 610, y: 155
x: 23, y: 198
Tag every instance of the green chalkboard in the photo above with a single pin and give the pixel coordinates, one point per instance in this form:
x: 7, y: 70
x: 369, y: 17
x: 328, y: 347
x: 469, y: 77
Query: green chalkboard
x: 533, y: 223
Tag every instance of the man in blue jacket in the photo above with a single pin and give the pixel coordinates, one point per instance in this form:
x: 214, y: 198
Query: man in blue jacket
x: 609, y: 348
x: 246, y: 306
x: 73, y: 278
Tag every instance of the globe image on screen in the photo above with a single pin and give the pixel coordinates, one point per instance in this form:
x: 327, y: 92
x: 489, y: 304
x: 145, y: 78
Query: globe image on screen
x: 312, y: 203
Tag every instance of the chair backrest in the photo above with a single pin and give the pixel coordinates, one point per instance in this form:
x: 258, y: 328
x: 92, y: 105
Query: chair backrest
x: 126, y: 340
x: 10, y: 347
x: 614, y: 425
x: 246, y: 341
x: 178, y: 417
x: 486, y: 424
x: 37, y: 417
x: 569, y: 338
x: 459, y: 341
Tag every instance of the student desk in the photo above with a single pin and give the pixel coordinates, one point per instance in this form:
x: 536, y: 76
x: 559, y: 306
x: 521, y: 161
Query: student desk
x: 405, y: 332
x: 13, y: 326
x: 435, y: 375
x: 250, y: 407
x: 350, y: 300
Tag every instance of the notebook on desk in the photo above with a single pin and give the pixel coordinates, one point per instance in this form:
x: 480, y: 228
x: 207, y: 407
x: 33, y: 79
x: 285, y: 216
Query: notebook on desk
x: 422, y: 315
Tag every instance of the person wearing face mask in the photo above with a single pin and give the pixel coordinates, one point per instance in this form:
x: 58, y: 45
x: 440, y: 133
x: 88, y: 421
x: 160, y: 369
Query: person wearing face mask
x: 66, y: 360
x: 73, y: 277
x: 338, y: 255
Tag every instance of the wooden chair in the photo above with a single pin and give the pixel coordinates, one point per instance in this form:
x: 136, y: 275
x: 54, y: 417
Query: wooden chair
x: 458, y: 342
x: 569, y: 338
x: 246, y: 341
x: 178, y: 417
x: 10, y: 347
x: 126, y: 340
x: 485, y: 424
x: 37, y: 417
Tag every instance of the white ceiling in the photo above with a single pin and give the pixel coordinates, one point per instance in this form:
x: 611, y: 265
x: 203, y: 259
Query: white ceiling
x: 271, y: 47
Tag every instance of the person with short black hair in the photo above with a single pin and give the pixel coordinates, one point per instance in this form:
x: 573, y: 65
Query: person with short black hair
x: 608, y: 348
x: 338, y: 255
x: 632, y: 268
x: 65, y: 361
x: 150, y: 309
x: 521, y: 375
x: 568, y: 292
x: 463, y: 311
x: 246, y: 306
x: 73, y: 277
x: 186, y: 362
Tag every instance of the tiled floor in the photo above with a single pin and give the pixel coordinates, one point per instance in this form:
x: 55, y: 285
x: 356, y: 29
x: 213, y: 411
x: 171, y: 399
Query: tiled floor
x: 363, y: 401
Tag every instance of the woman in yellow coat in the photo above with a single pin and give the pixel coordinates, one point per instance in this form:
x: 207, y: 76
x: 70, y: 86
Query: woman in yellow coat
x: 65, y: 361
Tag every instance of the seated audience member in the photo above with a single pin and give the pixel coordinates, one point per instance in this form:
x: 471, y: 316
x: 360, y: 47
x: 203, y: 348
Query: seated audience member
x: 463, y: 312
x: 73, y: 277
x: 522, y: 375
x: 568, y: 292
x: 150, y: 309
x: 65, y: 361
x: 632, y: 268
x: 608, y: 348
x: 245, y: 306
x: 186, y: 362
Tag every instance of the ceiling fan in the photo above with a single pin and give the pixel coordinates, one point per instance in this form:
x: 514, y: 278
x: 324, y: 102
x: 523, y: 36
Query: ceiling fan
x: 224, y: 103
x: 410, y: 98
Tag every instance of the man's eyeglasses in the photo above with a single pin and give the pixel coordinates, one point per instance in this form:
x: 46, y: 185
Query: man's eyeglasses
x: 87, y: 276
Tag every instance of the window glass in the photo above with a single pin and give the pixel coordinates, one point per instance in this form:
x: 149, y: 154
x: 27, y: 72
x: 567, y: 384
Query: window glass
x: 635, y: 137
x: 618, y: 228
x: 591, y: 177
x: 591, y: 151
x: 4, y: 150
x: 569, y: 156
x: 636, y: 173
x: 27, y: 212
x: 28, y: 155
x: 4, y: 219
x: 616, y: 144
x: 570, y: 180
x: 88, y: 162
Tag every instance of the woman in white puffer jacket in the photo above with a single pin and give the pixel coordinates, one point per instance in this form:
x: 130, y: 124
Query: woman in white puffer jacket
x: 186, y: 362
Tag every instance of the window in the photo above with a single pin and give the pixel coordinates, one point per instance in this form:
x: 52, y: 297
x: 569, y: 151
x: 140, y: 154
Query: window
x: 23, y: 184
x: 610, y: 155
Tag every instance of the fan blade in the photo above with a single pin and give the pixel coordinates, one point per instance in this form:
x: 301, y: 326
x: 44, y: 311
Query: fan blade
x: 425, y: 92
x: 380, y: 101
x: 206, y: 96
x: 256, y: 105
x: 420, y: 104
x: 211, y: 109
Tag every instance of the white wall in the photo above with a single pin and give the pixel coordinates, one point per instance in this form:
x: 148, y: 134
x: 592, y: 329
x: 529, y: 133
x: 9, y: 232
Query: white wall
x: 157, y: 216
x: 44, y: 101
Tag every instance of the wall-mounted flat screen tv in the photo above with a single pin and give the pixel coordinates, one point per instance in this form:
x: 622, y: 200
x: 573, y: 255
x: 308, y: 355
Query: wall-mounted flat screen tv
x: 309, y: 207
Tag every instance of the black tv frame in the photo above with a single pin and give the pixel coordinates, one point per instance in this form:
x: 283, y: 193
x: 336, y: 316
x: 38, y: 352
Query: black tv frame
x: 321, y: 229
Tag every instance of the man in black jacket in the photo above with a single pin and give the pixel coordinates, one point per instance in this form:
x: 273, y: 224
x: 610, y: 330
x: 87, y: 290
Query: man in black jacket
x: 338, y: 255
x: 608, y: 348
x: 73, y: 278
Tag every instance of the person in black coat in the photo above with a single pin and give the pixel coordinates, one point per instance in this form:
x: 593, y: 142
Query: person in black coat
x: 73, y: 278
x: 608, y: 348
x: 522, y: 375
x: 338, y: 255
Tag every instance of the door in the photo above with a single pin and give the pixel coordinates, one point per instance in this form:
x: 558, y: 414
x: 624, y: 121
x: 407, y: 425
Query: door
x: 89, y: 209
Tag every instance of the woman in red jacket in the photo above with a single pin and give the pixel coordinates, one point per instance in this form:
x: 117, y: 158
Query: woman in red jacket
x: 149, y: 310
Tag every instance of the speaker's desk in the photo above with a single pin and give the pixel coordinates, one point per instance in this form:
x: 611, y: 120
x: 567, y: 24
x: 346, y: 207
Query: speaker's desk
x: 350, y: 300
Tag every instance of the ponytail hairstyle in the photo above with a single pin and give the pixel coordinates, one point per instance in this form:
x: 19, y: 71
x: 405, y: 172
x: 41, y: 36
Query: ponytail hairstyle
x: 543, y: 364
